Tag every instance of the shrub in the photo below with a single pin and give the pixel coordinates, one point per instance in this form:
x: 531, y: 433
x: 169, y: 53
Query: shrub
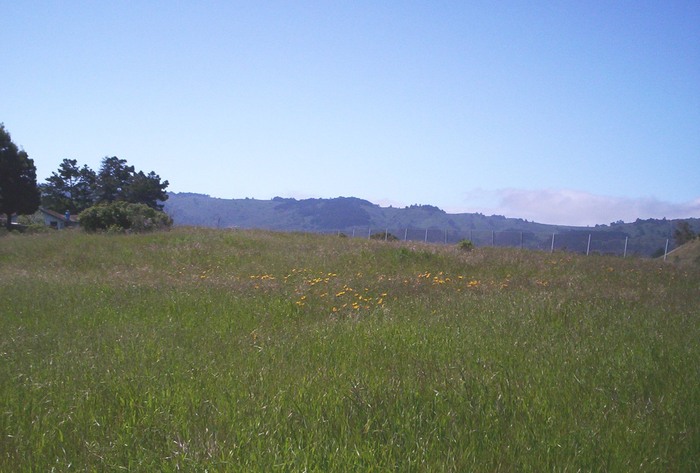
x: 465, y: 245
x: 123, y: 216
x: 383, y: 236
x: 37, y: 228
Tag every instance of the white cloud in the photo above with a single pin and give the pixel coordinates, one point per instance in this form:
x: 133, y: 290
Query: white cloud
x: 572, y: 207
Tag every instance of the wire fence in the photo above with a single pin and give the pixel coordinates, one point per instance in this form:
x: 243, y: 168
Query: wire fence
x: 581, y: 242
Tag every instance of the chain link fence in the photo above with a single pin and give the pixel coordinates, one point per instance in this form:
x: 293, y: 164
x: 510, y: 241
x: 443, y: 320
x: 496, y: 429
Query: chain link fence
x: 581, y: 242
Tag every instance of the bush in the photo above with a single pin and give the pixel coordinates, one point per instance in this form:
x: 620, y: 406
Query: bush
x: 37, y: 228
x: 383, y: 236
x: 466, y: 245
x: 122, y: 217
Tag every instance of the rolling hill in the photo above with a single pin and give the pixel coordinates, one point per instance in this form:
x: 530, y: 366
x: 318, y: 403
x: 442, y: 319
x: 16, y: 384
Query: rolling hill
x: 358, y: 217
x: 687, y: 254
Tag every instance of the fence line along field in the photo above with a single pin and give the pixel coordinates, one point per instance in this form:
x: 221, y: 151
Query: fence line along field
x: 208, y: 350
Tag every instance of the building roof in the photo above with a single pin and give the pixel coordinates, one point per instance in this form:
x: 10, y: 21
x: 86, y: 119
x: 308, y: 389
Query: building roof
x: 59, y: 216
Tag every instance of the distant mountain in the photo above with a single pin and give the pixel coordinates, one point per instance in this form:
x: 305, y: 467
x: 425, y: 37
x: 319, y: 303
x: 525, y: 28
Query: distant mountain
x: 351, y: 215
x: 338, y: 214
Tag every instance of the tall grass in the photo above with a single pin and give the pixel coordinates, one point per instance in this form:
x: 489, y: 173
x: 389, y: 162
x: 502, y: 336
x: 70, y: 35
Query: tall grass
x: 213, y: 350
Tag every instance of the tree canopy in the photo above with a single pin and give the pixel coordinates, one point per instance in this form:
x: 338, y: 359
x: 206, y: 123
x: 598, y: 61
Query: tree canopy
x: 147, y: 189
x: 19, y: 193
x: 72, y: 188
x: 113, y: 179
x: 75, y: 188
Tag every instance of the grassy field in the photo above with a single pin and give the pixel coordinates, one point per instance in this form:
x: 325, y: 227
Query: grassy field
x: 686, y: 255
x: 205, y: 350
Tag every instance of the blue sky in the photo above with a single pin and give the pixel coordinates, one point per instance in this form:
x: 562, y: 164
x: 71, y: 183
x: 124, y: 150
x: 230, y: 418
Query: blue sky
x: 577, y: 112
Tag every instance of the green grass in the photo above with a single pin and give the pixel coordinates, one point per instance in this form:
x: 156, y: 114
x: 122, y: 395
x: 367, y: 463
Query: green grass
x: 199, y: 350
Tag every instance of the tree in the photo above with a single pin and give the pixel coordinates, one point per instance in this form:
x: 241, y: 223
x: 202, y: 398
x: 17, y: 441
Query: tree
x: 19, y: 193
x: 683, y: 233
x: 113, y: 179
x: 72, y: 188
x: 116, y: 181
x: 75, y: 189
x: 147, y: 189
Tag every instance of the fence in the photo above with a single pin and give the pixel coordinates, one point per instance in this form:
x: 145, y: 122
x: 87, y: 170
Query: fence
x: 575, y: 241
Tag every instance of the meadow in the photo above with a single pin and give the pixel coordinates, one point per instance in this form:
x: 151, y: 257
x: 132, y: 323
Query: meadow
x: 218, y: 350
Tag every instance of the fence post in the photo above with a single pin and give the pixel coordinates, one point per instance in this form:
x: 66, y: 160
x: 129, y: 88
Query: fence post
x: 666, y: 250
x: 426, y: 235
x: 369, y: 233
x: 493, y: 238
x: 552, y: 249
x: 588, y: 248
x: 405, y: 234
x: 386, y: 234
x: 624, y: 254
x: 446, y: 236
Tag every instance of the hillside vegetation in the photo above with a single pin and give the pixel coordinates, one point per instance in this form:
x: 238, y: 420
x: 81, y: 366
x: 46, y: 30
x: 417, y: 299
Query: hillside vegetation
x: 206, y: 350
